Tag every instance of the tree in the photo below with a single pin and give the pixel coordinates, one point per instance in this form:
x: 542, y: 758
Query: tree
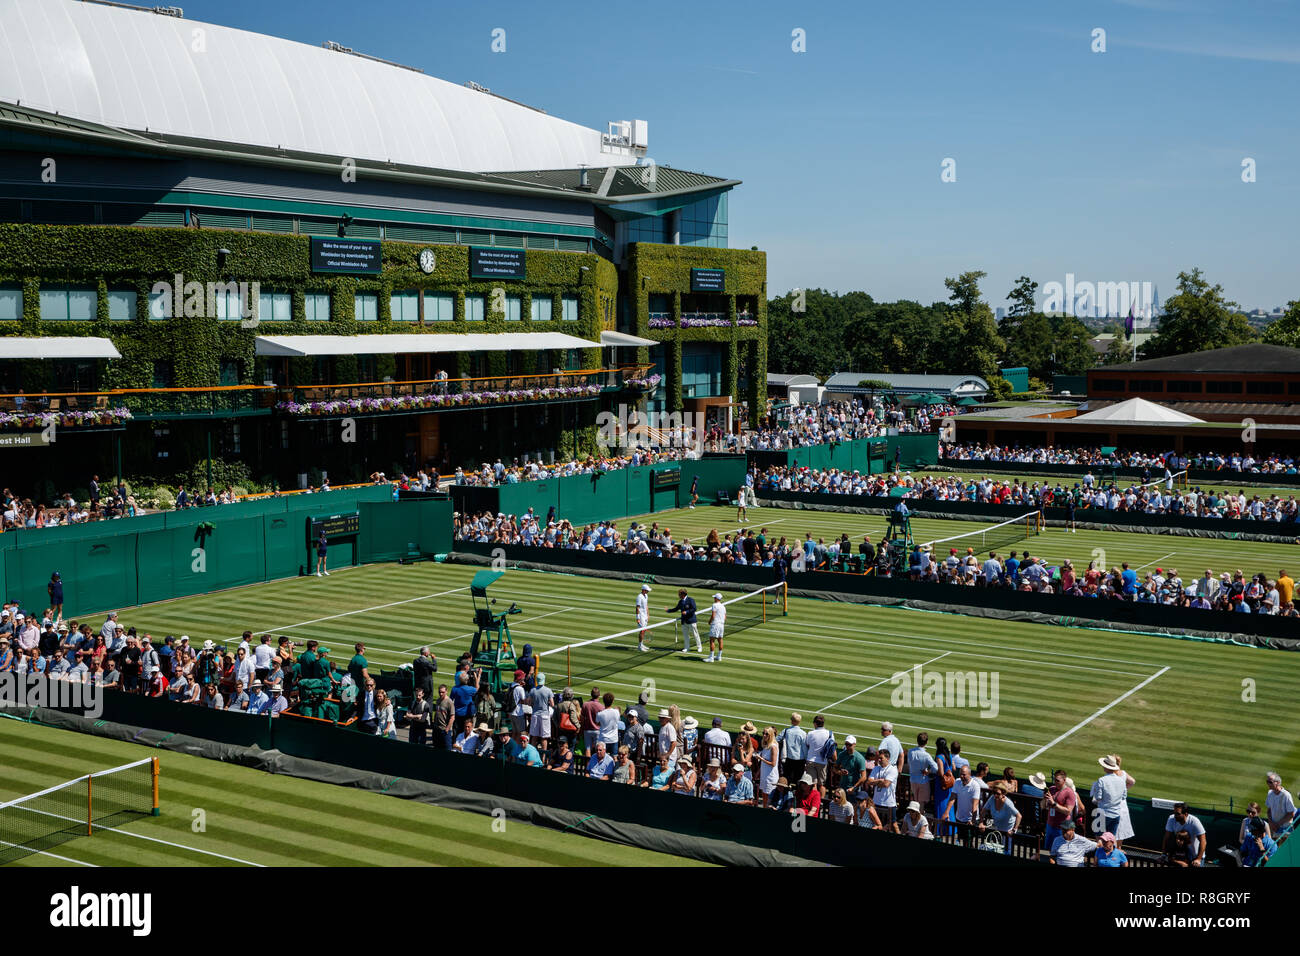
x: 1286, y: 330
x: 1198, y: 318
x: 1074, y: 354
x: 1022, y: 297
x: 1119, y: 351
x: 1030, y: 343
x: 964, y: 291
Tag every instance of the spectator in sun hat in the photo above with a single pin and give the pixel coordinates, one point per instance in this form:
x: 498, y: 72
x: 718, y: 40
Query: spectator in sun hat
x: 914, y: 823
x: 1109, y: 853
x: 807, y: 798
x: 278, y: 702
x: 1109, y: 796
x: 683, y: 781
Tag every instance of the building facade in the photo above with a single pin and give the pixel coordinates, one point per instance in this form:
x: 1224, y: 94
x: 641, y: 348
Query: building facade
x: 240, y: 252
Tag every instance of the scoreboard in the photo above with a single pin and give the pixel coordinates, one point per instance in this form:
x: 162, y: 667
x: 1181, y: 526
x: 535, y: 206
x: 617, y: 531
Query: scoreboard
x: 667, y: 477
x: 335, y: 526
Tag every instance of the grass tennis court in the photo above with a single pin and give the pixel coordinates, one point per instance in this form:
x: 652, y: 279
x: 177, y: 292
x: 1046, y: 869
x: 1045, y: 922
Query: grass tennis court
x: 259, y: 819
x: 1191, y: 556
x: 1065, y: 695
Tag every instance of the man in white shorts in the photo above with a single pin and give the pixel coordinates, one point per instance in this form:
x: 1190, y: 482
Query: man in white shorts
x: 717, y: 626
x: 642, y: 615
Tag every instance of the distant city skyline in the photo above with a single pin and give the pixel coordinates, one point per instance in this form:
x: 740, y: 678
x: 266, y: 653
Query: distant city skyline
x: 1115, y: 164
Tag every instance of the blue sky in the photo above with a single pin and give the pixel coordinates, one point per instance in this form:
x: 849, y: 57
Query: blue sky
x: 1115, y: 166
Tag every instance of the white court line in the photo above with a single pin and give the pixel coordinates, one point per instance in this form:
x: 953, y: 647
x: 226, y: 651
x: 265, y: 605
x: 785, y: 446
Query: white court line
x: 1088, y: 720
x: 1161, y: 558
x: 364, y: 610
x: 141, y: 836
x: 65, y: 859
x: 883, y: 681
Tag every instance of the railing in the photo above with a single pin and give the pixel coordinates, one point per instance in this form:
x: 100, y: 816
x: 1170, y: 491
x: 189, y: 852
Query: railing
x: 116, y: 406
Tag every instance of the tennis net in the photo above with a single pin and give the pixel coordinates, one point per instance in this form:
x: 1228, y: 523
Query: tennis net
x: 600, y: 657
x: 1179, y: 480
x: 39, y: 821
x: 1000, y: 535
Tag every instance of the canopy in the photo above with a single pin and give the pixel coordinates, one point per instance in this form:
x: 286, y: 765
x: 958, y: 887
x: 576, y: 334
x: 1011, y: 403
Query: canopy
x: 967, y: 402
x: 1137, y: 410
x: 624, y: 340
x: 296, y: 346
x: 58, y: 347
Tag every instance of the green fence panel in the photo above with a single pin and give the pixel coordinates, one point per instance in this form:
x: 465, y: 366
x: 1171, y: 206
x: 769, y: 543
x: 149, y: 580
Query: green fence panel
x: 724, y: 473
x: 96, y: 573
x: 595, y: 497
x: 388, y: 529
x: 286, y: 549
x: 538, y: 495
x: 638, y: 490
x: 435, y: 526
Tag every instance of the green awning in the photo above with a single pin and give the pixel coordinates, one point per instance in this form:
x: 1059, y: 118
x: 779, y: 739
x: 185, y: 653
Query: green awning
x: 967, y: 402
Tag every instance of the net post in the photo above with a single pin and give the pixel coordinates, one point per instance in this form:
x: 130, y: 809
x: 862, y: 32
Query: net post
x: 785, y: 598
x: 90, y: 804
x: 153, y: 775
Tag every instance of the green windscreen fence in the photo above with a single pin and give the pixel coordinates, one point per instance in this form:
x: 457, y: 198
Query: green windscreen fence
x: 583, y: 499
x: 117, y: 564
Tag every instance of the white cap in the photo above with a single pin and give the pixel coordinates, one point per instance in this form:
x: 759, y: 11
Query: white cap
x: 717, y: 597
x: 645, y: 587
x: 850, y: 739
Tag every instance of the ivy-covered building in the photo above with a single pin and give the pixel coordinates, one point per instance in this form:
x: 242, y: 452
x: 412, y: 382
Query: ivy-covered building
x: 253, y: 241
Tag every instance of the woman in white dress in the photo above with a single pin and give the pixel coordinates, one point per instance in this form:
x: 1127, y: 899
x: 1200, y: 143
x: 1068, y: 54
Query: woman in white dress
x: 1110, y: 799
x: 769, y: 759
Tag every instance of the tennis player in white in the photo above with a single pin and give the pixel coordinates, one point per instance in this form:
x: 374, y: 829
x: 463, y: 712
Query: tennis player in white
x: 717, y: 625
x: 742, y: 512
x: 642, y: 615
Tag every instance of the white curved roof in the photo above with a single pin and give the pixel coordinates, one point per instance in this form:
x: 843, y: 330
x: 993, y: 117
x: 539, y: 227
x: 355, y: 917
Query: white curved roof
x: 139, y: 70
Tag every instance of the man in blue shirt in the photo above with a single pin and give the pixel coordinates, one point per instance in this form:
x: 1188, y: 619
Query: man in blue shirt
x: 740, y: 789
x: 1258, y: 845
x: 601, y: 764
x: 1130, y: 579
x: 921, y: 768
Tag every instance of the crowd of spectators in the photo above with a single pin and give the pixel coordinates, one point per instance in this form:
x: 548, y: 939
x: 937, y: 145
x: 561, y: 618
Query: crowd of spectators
x: 1089, y: 494
x: 490, y: 475
x: 99, y: 506
x: 796, y: 769
x: 833, y: 422
x: 1021, y: 571
x: 1235, y: 461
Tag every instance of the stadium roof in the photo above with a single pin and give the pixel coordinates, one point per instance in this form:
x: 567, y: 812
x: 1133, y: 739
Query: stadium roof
x: 1137, y: 410
x: 955, y: 385
x: 776, y: 378
x: 297, y: 346
x: 137, y: 71
x: 1239, y: 359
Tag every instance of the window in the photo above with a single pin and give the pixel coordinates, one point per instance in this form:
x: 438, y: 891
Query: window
x: 1184, y: 385
x: 162, y: 374
x: 11, y: 305
x: 404, y: 306
x: 366, y: 369
x: 1146, y: 385
x: 474, y: 308
x: 274, y: 306
x: 1264, y: 388
x: 316, y: 305
x: 1109, y: 384
x: 121, y: 305
x: 229, y: 372
x: 227, y: 303
x: 569, y: 308
x: 160, y: 305
x: 366, y: 308
x: 541, y: 308
x: 514, y: 308
x: 439, y: 307
x: 1222, y: 387
x: 68, y: 305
